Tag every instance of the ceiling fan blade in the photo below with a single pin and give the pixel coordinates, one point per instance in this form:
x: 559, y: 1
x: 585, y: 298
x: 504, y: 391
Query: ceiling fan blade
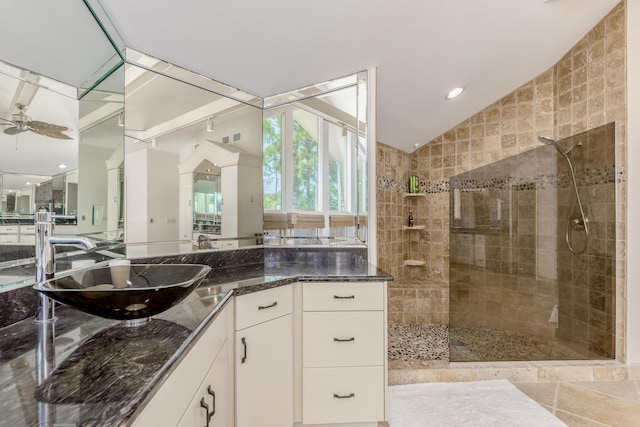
x: 13, y: 130
x: 34, y: 124
x: 49, y: 132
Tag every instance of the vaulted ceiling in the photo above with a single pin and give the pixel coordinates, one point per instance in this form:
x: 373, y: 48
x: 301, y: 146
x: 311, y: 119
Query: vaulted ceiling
x: 421, y: 48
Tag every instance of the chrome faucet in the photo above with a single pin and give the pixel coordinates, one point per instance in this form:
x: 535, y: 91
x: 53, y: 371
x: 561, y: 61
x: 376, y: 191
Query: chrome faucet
x: 45, y: 259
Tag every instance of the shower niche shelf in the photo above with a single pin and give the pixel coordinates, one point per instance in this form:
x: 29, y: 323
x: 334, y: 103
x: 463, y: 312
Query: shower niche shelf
x: 413, y: 262
x: 415, y: 227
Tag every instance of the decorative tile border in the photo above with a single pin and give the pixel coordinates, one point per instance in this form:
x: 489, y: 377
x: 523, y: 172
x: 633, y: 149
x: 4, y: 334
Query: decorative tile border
x: 590, y: 176
x: 386, y: 183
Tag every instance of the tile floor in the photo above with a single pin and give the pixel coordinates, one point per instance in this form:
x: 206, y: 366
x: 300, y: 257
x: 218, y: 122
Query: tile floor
x: 592, y: 403
x: 588, y: 403
x: 580, y: 393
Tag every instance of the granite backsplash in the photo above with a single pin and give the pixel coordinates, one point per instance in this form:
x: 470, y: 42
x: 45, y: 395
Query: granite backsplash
x: 21, y: 303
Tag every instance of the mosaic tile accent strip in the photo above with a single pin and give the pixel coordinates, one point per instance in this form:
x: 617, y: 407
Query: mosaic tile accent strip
x: 589, y: 176
x: 386, y: 183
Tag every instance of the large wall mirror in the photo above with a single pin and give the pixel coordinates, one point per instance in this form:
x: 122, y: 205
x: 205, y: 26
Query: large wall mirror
x: 51, y: 119
x: 193, y: 150
x: 315, y: 164
x: 125, y: 146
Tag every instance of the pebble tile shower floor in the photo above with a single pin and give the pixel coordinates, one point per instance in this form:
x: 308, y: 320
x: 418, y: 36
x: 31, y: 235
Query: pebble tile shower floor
x: 428, y: 344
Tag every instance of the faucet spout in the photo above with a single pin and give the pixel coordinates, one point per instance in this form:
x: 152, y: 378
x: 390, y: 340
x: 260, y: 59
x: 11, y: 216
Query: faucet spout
x: 45, y: 258
x: 73, y: 240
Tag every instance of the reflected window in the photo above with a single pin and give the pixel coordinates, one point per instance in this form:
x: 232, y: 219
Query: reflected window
x: 305, y: 161
x: 272, y: 162
x: 362, y: 181
x: 338, y: 167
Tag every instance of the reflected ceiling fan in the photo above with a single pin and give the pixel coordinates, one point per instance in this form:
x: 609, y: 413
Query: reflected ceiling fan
x: 20, y: 122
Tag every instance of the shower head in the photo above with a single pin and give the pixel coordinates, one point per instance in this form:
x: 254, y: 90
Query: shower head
x: 549, y: 141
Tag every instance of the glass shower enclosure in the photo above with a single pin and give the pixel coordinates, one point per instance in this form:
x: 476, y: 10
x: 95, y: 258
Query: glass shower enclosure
x: 533, y: 254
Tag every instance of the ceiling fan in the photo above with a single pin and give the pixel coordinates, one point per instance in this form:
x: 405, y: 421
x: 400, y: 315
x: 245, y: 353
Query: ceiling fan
x: 20, y: 122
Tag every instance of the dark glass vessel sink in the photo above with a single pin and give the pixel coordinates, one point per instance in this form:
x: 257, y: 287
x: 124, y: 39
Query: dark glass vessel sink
x: 140, y: 291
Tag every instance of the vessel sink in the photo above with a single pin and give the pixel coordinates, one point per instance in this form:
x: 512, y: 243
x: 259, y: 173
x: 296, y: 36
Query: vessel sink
x: 126, y: 292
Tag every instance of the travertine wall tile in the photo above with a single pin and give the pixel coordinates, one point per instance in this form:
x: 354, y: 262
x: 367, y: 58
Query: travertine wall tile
x: 584, y: 90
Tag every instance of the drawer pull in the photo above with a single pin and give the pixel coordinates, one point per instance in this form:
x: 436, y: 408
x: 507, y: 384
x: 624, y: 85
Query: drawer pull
x: 244, y: 344
x: 213, y: 396
x: 345, y: 340
x: 341, y: 297
x: 348, y: 396
x: 204, y: 405
x: 264, y: 307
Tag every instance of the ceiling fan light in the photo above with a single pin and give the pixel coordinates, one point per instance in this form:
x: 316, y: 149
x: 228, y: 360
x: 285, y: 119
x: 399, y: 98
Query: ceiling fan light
x: 454, y: 92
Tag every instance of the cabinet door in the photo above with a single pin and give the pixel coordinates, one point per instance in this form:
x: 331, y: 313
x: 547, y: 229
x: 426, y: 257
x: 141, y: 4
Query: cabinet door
x: 184, y: 384
x: 219, y: 383
x: 264, y: 374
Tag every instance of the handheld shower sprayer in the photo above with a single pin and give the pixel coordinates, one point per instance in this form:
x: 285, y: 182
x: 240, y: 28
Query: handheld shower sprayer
x: 579, y: 223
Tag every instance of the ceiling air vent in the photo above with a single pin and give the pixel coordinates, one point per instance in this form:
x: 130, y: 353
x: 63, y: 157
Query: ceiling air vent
x: 225, y: 139
x: 236, y: 137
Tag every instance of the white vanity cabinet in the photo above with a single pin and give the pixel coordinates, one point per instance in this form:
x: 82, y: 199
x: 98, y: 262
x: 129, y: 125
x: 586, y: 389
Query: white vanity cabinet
x: 207, y: 365
x: 263, y: 358
x: 213, y: 404
x: 10, y: 233
x: 343, y: 353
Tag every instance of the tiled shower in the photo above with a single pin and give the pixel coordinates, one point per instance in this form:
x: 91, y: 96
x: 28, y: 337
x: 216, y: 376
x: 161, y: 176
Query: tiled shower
x: 525, y: 281
x: 455, y: 292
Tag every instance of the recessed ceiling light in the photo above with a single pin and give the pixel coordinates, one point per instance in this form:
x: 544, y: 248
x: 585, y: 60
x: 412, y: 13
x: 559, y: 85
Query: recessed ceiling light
x: 27, y: 183
x: 62, y: 166
x: 454, y: 92
x: 417, y: 144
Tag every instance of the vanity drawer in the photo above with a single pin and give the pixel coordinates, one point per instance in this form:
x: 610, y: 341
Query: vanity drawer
x: 342, y: 395
x: 343, y: 338
x: 262, y: 306
x: 27, y: 229
x: 9, y: 238
x: 342, y: 296
x: 31, y: 239
x: 9, y: 229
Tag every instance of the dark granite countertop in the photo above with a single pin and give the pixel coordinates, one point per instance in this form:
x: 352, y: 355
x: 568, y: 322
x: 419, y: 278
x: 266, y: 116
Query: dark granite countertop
x: 101, y: 372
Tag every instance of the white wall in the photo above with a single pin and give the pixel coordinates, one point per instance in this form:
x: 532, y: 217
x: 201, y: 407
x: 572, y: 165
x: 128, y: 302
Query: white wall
x: 633, y: 181
x: 92, y: 186
x: 152, y: 191
x: 135, y: 181
x: 241, y: 201
x: 163, y: 196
